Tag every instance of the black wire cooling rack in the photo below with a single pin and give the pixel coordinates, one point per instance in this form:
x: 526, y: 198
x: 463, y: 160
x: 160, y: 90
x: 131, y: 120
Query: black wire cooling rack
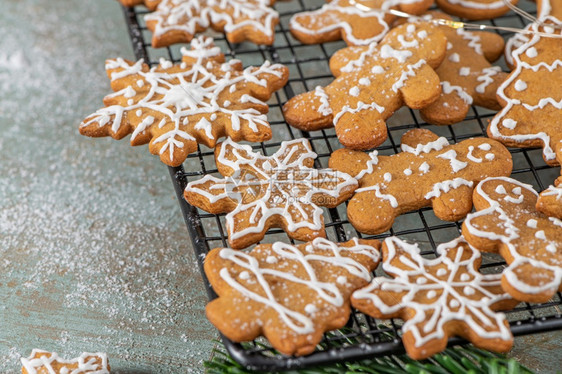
x: 308, y: 64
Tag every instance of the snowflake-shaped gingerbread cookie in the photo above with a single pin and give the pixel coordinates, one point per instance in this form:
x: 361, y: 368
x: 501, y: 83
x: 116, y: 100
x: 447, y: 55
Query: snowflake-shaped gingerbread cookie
x: 357, y: 22
x: 428, y: 172
x: 43, y: 362
x: 177, y: 21
x: 282, y: 190
x: 291, y: 294
x: 438, y: 298
x: 372, y: 82
x: 507, y: 222
x: 176, y: 107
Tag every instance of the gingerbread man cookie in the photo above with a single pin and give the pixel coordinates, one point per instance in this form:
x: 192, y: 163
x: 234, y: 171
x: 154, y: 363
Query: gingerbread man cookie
x: 260, y: 192
x: 428, y: 172
x: 290, y: 294
x: 177, y: 21
x: 372, y: 82
x: 475, y: 9
x: 507, y: 222
x: 466, y: 75
x: 357, y: 22
x: 550, y: 202
x: 43, y: 362
x: 438, y: 298
x: 532, y: 101
x: 176, y: 107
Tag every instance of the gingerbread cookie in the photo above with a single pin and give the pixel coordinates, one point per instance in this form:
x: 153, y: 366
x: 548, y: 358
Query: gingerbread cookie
x: 357, y: 22
x: 475, y: 9
x: 466, y: 75
x: 428, y: 172
x: 507, y: 222
x: 438, y: 298
x: 372, y: 82
x: 532, y: 97
x: 290, y: 294
x: 177, y: 21
x: 43, y: 362
x: 545, y: 8
x: 176, y: 107
x: 150, y: 4
x: 282, y: 190
x: 550, y: 202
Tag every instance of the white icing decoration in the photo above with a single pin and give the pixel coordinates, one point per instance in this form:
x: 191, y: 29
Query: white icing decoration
x: 408, y: 171
x: 424, y: 168
x: 354, y: 91
x: 324, y: 108
x: 464, y: 71
x: 387, y: 177
x: 365, y: 81
x: 456, y: 164
x: 435, y: 145
x: 448, y: 88
x: 520, y: 85
x: 486, y: 78
x: 45, y: 363
x: 408, y: 73
x: 532, y: 223
x: 446, y: 186
x: 454, y: 57
x: 553, y: 191
x: 509, y: 123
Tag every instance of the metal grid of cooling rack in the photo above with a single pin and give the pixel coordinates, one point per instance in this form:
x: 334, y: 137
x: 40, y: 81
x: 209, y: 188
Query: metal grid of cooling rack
x: 308, y: 64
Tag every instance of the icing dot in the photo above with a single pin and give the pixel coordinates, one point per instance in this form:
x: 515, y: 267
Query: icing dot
x: 271, y: 260
x: 130, y: 102
x: 551, y: 248
x: 465, y: 277
x: 516, y: 190
x: 490, y: 156
x: 421, y: 280
x: 138, y: 112
x: 310, y: 308
x: 454, y: 57
x: 183, y: 65
x: 411, y: 28
x: 422, y: 34
x: 244, y: 275
x: 520, y: 85
x: 449, y: 45
x: 509, y: 123
x: 354, y: 91
x: 431, y: 294
x: 501, y: 189
x: 408, y: 171
x: 213, y: 117
x: 387, y: 177
x: 441, y: 272
x: 454, y: 303
x: 364, y: 81
x: 424, y: 168
x: 531, y: 52
x: 485, y: 147
x: 377, y: 69
x: 140, y: 83
x: 341, y: 279
x: 464, y: 71
x: 532, y: 223
x: 226, y: 103
x: 468, y: 291
x: 540, y: 235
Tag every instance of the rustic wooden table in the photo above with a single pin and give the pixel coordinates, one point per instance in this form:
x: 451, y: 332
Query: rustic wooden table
x: 94, y: 253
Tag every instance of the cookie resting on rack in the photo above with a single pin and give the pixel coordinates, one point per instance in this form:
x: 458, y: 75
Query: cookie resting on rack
x: 357, y: 22
x: 43, y: 362
x: 438, y: 298
x: 259, y: 192
x: 507, y: 222
x: 291, y: 294
x: 372, y: 82
x: 177, y: 21
x: 428, y: 172
x: 466, y: 75
x: 475, y: 9
x: 177, y: 106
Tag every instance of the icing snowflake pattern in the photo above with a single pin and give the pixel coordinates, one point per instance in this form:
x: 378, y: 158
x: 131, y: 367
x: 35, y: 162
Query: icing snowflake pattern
x: 282, y: 190
x: 177, y: 21
x: 46, y: 362
x: 175, y: 107
x: 507, y: 222
x: 289, y: 293
x: 434, y: 296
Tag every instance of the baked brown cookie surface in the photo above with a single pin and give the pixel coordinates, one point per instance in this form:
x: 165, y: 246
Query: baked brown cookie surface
x: 43, y: 362
x: 291, y: 294
x: 507, y: 222
x: 475, y: 9
x: 428, y: 172
x: 175, y: 107
x: 438, y: 298
x: 372, y: 82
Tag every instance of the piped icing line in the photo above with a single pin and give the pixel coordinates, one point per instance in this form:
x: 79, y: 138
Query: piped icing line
x: 446, y: 186
x: 448, y: 88
x: 46, y: 360
x: 486, y: 78
x: 277, y: 177
x: 501, y: 117
x: 513, y: 235
x: 309, y: 260
x: 452, y: 296
x: 553, y: 191
x: 478, y: 5
x: 189, y: 16
x: 174, y: 96
x: 334, y: 8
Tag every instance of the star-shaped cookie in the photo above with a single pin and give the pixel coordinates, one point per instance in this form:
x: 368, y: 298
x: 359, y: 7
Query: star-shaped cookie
x: 176, y: 107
